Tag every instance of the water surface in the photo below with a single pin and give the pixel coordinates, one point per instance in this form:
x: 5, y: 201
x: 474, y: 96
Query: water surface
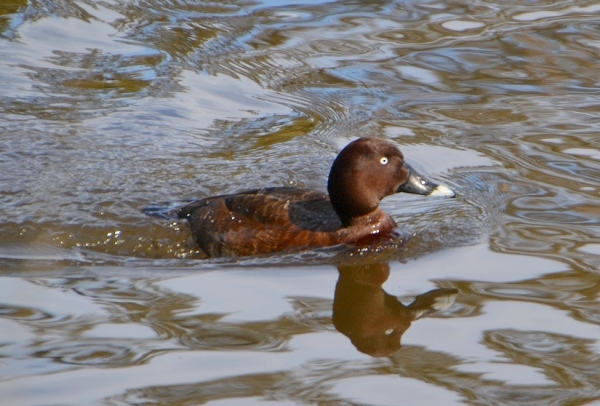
x: 113, y: 106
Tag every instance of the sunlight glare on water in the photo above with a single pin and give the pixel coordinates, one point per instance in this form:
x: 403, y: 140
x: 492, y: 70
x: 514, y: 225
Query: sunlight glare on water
x: 110, y: 108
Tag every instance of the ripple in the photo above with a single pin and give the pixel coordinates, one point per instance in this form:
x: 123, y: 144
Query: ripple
x: 592, y: 153
x: 462, y: 25
x: 538, y: 15
x: 90, y: 354
x: 518, y: 291
x: 23, y: 313
x: 335, y: 47
x: 547, y: 348
x: 229, y: 338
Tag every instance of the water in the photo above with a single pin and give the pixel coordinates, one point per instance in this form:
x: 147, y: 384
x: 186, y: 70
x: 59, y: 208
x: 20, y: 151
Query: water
x: 110, y: 107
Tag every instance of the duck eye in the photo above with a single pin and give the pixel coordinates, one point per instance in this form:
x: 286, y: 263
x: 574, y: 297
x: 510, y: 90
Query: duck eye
x: 383, y: 160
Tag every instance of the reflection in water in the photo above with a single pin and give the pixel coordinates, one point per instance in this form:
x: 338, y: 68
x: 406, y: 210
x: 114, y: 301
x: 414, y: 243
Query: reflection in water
x: 188, y: 338
x: 373, y: 319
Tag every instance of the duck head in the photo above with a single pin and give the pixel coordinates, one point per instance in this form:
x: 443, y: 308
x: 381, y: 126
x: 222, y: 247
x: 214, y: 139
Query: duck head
x: 369, y: 169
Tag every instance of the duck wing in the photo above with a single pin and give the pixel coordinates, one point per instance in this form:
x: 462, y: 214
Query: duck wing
x: 305, y: 208
x: 257, y: 220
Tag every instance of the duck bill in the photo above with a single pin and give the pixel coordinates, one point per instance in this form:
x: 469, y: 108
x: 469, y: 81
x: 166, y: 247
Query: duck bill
x: 418, y: 185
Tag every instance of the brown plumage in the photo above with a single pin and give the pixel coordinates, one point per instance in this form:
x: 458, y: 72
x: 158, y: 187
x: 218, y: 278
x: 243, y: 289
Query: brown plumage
x: 290, y: 219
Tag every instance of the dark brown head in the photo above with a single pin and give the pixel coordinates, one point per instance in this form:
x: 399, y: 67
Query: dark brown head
x: 366, y: 171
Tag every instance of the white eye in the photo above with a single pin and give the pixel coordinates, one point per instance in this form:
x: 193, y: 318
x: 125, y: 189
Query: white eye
x: 383, y: 160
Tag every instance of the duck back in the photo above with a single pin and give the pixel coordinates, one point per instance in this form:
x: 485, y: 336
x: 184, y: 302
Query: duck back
x: 264, y: 220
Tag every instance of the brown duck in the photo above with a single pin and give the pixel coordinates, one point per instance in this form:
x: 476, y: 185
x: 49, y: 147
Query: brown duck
x: 268, y: 220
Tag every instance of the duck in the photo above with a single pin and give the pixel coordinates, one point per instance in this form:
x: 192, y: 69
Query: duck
x: 288, y: 219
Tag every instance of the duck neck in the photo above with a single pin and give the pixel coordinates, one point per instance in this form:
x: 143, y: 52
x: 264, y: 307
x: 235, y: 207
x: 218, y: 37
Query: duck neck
x: 352, y: 204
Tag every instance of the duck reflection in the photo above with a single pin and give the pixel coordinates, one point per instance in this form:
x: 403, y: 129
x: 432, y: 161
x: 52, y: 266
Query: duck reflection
x: 373, y: 319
